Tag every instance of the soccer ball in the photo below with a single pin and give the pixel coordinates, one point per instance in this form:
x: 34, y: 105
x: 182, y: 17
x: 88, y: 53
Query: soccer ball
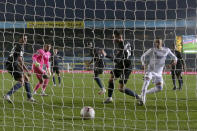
x: 87, y: 112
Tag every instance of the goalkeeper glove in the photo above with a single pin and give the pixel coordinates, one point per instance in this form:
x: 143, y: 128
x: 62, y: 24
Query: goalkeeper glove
x: 37, y: 64
x: 45, y: 76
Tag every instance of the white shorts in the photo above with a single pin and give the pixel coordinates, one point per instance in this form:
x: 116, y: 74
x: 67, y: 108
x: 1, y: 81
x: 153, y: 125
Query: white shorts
x: 155, y: 77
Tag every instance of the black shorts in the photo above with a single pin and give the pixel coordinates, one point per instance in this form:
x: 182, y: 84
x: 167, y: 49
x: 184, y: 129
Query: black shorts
x: 98, y: 71
x: 176, y: 72
x: 55, y: 70
x: 123, y: 74
x: 14, y: 70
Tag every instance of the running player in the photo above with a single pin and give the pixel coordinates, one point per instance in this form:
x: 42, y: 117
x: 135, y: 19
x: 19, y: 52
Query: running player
x: 156, y: 64
x: 16, y: 67
x: 123, y: 67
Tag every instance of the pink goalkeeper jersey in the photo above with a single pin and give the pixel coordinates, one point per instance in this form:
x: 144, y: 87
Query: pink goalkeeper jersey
x: 42, y: 57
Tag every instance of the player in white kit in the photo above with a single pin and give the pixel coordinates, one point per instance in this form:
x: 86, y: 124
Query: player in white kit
x: 156, y: 63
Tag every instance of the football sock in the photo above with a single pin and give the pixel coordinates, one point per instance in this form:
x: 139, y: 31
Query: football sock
x: 37, y: 86
x: 59, y: 79
x: 130, y: 92
x: 180, y: 82
x: 154, y: 90
x: 98, y: 81
x: 174, y: 80
x: 54, y: 80
x: 110, y: 88
x: 14, y: 88
x: 144, y: 89
x: 28, y: 89
x: 46, y: 81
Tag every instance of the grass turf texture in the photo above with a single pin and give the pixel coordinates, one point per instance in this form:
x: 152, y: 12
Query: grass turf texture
x: 167, y: 110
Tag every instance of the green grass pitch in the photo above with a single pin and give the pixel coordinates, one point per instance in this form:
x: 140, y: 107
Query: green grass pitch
x: 167, y: 110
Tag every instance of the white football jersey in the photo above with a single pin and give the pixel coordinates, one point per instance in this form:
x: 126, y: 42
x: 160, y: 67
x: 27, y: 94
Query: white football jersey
x: 157, y: 59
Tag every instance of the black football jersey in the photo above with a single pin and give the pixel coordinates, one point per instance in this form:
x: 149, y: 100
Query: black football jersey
x: 55, y: 60
x: 17, y: 51
x: 123, y: 53
x: 98, y: 57
x: 180, y: 61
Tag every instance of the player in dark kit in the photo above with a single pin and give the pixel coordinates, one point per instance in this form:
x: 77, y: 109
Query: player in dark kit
x: 55, y: 59
x: 98, y: 65
x: 177, y: 69
x: 123, y: 67
x: 16, y: 67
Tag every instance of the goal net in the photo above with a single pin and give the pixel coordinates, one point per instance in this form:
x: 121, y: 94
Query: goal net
x: 70, y: 26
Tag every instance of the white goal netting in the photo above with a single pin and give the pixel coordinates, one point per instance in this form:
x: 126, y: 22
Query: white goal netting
x: 70, y: 26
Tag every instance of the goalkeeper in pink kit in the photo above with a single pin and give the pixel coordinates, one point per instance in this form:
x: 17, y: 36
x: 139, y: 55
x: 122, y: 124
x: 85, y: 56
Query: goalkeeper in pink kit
x: 40, y: 58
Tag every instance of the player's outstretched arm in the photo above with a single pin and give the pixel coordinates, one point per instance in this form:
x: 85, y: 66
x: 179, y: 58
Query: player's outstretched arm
x: 174, y: 58
x: 23, y: 66
x: 144, y: 56
x: 174, y: 62
x: 49, y: 71
x: 103, y: 52
x: 34, y: 58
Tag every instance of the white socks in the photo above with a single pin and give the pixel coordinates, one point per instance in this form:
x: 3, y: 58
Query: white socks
x: 144, y: 90
x: 154, y: 90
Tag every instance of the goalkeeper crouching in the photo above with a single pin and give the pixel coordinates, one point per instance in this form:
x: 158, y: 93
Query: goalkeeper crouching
x: 40, y: 58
